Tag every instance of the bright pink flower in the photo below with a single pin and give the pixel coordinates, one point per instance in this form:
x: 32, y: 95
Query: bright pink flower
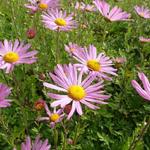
x: 4, y: 92
x: 58, y: 20
x: 98, y: 65
x: 14, y: 54
x: 116, y: 14
x: 85, y: 7
x: 54, y: 117
x: 143, y: 39
x: 34, y: 5
x: 144, y: 92
x: 73, y: 48
x: 37, y: 145
x: 77, y: 90
x: 142, y: 11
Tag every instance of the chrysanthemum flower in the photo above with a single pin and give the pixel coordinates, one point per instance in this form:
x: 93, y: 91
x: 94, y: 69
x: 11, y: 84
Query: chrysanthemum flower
x: 85, y: 7
x: 115, y: 14
x: 144, y: 40
x: 4, y: 92
x: 37, y: 145
x: 58, y: 20
x: 142, y: 11
x: 72, y: 48
x: 54, y: 117
x: 100, y: 65
x: 78, y: 91
x: 39, y: 104
x: 13, y: 54
x: 145, y: 93
x: 34, y: 5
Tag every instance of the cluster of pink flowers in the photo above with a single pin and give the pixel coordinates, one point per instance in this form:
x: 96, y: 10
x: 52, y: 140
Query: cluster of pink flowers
x: 81, y: 83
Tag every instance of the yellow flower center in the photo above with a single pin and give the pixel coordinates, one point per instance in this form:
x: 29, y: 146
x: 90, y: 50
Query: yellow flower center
x: 142, y: 14
x: 76, y: 92
x: 94, y: 65
x: 60, y: 22
x: 54, y: 117
x: 43, y: 6
x: 11, y: 57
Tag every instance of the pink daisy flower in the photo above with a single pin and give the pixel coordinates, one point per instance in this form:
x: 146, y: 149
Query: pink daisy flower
x: 115, y: 14
x: 143, y: 92
x: 72, y: 48
x: 4, y: 92
x: 142, y: 11
x: 98, y: 65
x: 37, y: 145
x: 78, y: 91
x: 85, y: 7
x: 144, y: 40
x: 54, y: 117
x: 14, y: 54
x: 58, y: 20
x: 34, y: 5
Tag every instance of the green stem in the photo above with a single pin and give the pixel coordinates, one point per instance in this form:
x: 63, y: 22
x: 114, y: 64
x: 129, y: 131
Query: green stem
x: 57, y: 54
x: 55, y: 138
x: 140, y: 135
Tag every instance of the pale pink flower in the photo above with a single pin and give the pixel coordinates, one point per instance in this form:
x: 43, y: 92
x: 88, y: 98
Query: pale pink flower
x: 37, y: 145
x: 34, y: 5
x: 4, y: 92
x: 72, y: 48
x: 98, y: 65
x: 58, y: 20
x: 144, y: 40
x: 142, y: 11
x: 145, y: 90
x: 76, y: 90
x: 14, y: 54
x: 53, y: 117
x: 85, y: 7
x: 115, y: 14
x: 120, y: 60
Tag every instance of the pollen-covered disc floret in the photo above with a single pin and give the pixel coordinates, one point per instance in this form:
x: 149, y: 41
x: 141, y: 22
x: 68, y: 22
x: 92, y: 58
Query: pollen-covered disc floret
x: 15, y: 53
x: 54, y: 117
x: 93, y: 65
x: 43, y: 6
x: 99, y: 65
x: 58, y: 20
x: 78, y: 90
x: 11, y: 57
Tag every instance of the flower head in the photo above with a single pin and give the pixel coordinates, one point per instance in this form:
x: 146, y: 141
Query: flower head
x: 144, y: 40
x: 115, y: 14
x: 13, y: 54
x: 4, y: 92
x: 145, y: 91
x: 34, y: 5
x: 37, y: 145
x: 31, y: 33
x: 85, y: 7
x: 39, y: 104
x: 100, y: 65
x: 58, y: 20
x: 142, y: 11
x: 54, y: 117
x: 73, y: 48
x: 77, y: 90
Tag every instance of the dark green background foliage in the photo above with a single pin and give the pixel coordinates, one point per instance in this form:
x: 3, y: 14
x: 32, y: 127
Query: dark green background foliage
x: 114, y: 126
